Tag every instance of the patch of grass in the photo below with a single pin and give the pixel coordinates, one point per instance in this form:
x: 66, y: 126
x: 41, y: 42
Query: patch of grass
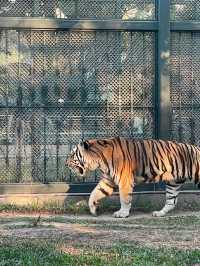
x: 26, y: 225
x: 177, y: 222
x: 37, y: 253
x: 63, y: 219
x: 29, y: 253
x: 153, y: 257
x: 185, y: 204
x: 108, y: 205
x: 29, y: 208
x: 165, y: 223
x: 4, y: 220
x: 72, y: 207
x: 146, y: 205
x: 31, y: 220
x: 189, y: 223
x: 171, y: 221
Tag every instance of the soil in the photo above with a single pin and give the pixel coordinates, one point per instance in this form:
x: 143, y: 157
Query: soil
x: 180, y: 230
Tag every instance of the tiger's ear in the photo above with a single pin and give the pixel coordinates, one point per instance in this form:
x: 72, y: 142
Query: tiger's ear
x: 84, y: 144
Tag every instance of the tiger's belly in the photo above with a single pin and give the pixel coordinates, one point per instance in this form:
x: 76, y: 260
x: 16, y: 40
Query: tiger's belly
x: 148, y: 176
x: 165, y: 176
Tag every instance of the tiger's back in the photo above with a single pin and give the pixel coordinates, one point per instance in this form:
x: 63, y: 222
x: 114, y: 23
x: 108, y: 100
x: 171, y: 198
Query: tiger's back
x: 154, y: 158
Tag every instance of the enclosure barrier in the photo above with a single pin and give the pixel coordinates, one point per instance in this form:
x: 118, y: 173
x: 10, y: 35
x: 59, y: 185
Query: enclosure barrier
x: 88, y: 69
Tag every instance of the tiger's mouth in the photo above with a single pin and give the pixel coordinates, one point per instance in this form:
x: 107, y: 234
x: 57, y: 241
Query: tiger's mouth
x: 77, y: 169
x: 80, y: 170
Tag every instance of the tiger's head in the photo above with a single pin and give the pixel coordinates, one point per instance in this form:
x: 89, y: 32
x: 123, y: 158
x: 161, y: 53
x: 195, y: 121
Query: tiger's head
x: 89, y: 155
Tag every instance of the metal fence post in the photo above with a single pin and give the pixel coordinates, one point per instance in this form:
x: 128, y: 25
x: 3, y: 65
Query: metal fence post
x: 163, y: 73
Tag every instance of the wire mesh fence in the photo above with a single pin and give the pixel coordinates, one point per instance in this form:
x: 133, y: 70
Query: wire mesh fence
x: 58, y: 87
x: 73, y: 9
x: 182, y: 10
x: 185, y: 90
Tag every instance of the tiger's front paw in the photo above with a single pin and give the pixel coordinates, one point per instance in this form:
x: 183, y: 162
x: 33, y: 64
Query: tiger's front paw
x: 93, y: 209
x: 158, y: 214
x: 121, y: 214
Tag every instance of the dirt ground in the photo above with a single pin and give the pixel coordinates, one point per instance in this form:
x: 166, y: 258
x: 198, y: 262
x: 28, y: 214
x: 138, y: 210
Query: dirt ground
x: 180, y: 230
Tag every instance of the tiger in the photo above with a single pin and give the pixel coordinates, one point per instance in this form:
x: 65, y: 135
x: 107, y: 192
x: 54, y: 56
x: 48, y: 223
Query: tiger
x: 125, y: 162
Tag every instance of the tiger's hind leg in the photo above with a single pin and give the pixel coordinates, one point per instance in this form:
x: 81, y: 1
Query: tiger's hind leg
x: 171, y: 199
x: 104, y: 188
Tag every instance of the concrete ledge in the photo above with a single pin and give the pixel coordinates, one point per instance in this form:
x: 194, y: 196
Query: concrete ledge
x: 34, y: 199
x: 33, y: 188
